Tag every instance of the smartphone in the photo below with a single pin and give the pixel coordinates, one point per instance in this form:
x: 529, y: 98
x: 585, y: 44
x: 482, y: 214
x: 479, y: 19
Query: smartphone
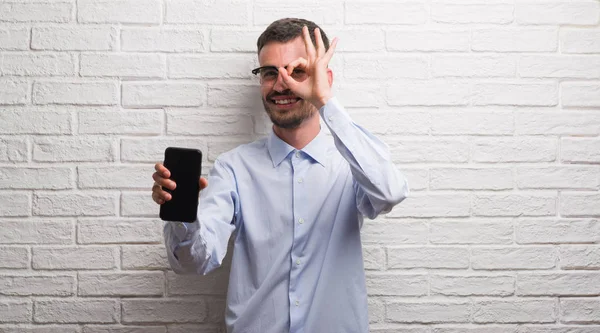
x: 185, y: 165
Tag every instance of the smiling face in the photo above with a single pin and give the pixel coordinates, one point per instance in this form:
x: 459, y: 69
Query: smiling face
x: 285, y: 109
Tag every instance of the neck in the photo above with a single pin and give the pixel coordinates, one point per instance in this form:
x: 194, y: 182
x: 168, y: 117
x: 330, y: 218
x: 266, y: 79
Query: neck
x: 302, y: 135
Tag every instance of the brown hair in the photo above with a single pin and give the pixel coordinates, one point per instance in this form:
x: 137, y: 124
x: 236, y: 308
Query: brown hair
x: 287, y: 29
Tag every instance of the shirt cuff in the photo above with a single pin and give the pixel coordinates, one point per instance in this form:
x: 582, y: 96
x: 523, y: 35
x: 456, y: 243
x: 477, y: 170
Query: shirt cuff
x: 334, y: 114
x: 184, y: 231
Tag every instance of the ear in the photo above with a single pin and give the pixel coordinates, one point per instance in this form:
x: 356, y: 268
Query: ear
x: 330, y: 76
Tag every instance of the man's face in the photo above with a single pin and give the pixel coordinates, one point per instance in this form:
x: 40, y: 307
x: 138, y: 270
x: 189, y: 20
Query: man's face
x: 285, y: 109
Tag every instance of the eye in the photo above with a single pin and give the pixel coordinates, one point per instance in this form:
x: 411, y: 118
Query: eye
x: 298, y: 71
x: 269, y: 73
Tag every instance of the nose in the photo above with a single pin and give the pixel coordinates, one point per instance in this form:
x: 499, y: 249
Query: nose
x: 280, y: 85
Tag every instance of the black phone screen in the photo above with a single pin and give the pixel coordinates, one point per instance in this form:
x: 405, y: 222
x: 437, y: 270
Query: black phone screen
x: 185, y: 165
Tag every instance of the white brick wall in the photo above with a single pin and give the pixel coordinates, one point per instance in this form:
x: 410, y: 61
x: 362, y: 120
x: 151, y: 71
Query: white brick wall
x: 491, y: 108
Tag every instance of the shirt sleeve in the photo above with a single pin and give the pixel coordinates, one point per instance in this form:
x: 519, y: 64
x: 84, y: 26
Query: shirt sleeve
x: 378, y: 184
x: 199, y: 247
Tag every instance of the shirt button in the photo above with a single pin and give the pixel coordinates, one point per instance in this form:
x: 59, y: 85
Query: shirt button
x: 180, y: 224
x: 300, y: 220
x: 298, y: 262
x: 297, y: 303
x: 300, y: 180
x: 330, y: 118
x: 297, y: 154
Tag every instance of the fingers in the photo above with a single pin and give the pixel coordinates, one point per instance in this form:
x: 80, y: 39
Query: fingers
x: 320, y: 45
x: 164, y: 172
x: 287, y: 79
x: 329, y: 53
x: 203, y: 183
x: 159, y: 196
x: 310, y: 48
x: 171, y: 185
x: 299, y: 63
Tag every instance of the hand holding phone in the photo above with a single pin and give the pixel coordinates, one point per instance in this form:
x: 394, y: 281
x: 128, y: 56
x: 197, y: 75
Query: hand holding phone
x: 178, y: 184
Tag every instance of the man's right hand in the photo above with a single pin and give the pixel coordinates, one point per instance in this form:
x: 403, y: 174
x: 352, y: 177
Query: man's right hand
x: 161, y: 179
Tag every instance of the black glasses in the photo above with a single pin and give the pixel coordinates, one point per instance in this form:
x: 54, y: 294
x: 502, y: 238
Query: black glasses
x: 269, y: 74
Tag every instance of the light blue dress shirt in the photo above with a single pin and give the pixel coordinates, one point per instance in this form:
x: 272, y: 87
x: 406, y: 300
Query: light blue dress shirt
x: 297, y: 263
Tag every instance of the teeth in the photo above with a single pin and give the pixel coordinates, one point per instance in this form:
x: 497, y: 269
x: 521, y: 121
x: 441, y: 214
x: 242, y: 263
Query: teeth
x: 284, y: 101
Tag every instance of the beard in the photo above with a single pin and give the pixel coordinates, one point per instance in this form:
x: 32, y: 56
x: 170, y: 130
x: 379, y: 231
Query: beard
x: 291, y: 118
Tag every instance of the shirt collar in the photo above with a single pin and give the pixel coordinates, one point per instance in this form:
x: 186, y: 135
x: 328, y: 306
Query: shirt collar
x: 279, y: 149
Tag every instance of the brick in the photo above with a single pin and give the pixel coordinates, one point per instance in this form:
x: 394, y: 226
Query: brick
x: 120, y: 11
x: 163, y: 311
x: 428, y: 312
x: 558, y: 231
x: 515, y: 40
x: 107, y: 177
x: 51, y: 11
x: 572, y: 13
x: 230, y: 12
x: 514, y: 150
x: 360, y: 95
x: 558, y: 123
x: 388, y: 284
x: 358, y: 40
x: 13, y: 150
x: 514, y: 311
x: 121, y: 284
x: 577, y: 177
x: 513, y: 258
x: 580, y: 203
x: 139, y: 204
x: 325, y: 13
x: 74, y: 38
x: 580, y: 41
x: 217, y: 147
x: 410, y: 40
x: 123, y: 329
x: 466, y: 232
x: 543, y: 94
x: 471, y: 179
x: 195, y: 328
x: 385, y: 13
x: 469, y: 13
x: 428, y: 93
x: 413, y: 232
x: 36, y: 232
x: 16, y: 311
x: 387, y: 121
x: 547, y: 328
x: 434, y: 205
x: 558, y: 284
x: 39, y: 285
x: 373, y: 257
x: 76, y: 311
x: 74, y: 204
x: 376, y: 310
x: 38, y: 64
x: 15, y: 204
x: 119, y: 231
x: 207, y: 123
x: 86, y: 93
x: 72, y: 149
x: 27, y: 120
x: 579, y: 257
x: 382, y: 67
x: 582, y: 310
x: 585, y: 67
x: 473, y: 66
x: 211, y: 66
x: 234, y: 96
x: 162, y: 94
x: 14, y: 38
x: 514, y: 205
x: 163, y: 40
x: 144, y: 257
x: 586, y: 150
x: 14, y: 92
x: 88, y: 257
x: 123, y: 65
x: 418, y: 179
x: 153, y: 149
x: 472, y: 122
x: 114, y: 121
x: 472, y: 285
x: 29, y: 178
x: 41, y: 329
x: 212, y: 284
x: 429, y: 257
x: 14, y: 257
x: 222, y: 40
x: 429, y: 150
x: 580, y: 94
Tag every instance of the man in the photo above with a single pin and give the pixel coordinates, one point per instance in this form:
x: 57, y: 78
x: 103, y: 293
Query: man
x: 296, y: 199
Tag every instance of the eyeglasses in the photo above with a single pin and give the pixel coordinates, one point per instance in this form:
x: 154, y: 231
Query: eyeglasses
x: 269, y: 74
